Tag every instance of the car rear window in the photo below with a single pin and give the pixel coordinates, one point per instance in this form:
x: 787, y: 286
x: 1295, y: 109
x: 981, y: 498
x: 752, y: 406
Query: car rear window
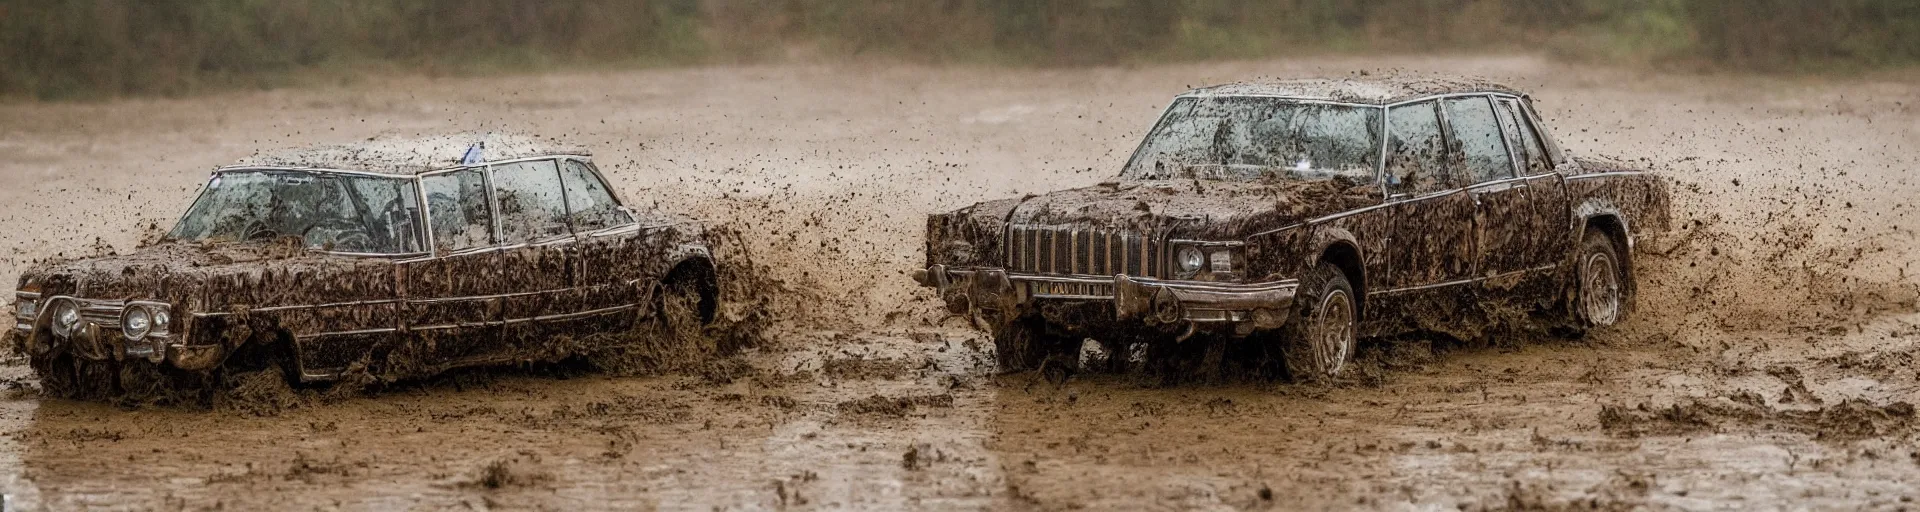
x: 591, y: 204
x: 532, y: 203
x: 457, y: 205
x: 1416, y: 151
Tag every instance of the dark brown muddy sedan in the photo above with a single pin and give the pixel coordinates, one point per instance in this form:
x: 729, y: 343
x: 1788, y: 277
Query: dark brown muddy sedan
x: 1303, y: 215
x: 388, y: 259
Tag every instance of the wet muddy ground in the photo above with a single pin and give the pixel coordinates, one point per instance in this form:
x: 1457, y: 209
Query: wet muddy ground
x: 1771, y: 362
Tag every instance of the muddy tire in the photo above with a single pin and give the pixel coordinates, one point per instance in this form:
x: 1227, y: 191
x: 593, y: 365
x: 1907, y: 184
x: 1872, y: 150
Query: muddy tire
x: 142, y: 382
x: 1600, y: 293
x: 96, y: 380
x: 681, y: 303
x: 1023, y: 344
x: 265, y: 351
x: 56, y: 374
x: 1201, y: 359
x: 1119, y: 357
x: 259, y: 391
x: 1319, y: 341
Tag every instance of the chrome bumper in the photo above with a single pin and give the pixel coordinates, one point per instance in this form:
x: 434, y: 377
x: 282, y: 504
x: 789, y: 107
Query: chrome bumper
x: 98, y: 338
x: 91, y: 341
x: 1147, y: 300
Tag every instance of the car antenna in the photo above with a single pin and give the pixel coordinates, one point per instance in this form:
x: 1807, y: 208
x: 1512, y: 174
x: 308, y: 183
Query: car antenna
x: 475, y: 154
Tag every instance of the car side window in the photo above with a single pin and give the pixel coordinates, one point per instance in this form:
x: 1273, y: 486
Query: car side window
x: 1478, y: 131
x: 589, y: 201
x: 1416, y: 153
x: 1521, y: 131
x: 532, y: 206
x: 457, y: 207
x: 396, y: 211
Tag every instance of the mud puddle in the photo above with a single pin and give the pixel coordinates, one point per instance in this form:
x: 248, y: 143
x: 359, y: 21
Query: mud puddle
x: 1480, y: 429
x: 762, y: 440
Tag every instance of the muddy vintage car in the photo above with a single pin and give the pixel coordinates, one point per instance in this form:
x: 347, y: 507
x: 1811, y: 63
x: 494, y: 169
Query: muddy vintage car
x: 392, y: 258
x: 1301, y: 215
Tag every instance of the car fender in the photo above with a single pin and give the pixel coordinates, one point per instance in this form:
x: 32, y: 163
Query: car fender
x: 1594, y: 207
x: 684, y: 253
x: 1325, y: 237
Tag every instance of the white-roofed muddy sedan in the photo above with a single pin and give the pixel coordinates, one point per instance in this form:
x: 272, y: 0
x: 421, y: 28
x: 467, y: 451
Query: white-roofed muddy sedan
x: 1300, y: 216
x: 384, y: 260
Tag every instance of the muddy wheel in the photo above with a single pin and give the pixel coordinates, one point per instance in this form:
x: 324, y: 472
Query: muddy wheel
x: 1320, y: 340
x: 56, y: 374
x: 1600, y: 296
x: 1119, y: 356
x: 258, y: 390
x: 262, y: 359
x: 681, y: 303
x: 1201, y: 358
x: 95, y: 380
x: 142, y: 382
x: 1023, y: 344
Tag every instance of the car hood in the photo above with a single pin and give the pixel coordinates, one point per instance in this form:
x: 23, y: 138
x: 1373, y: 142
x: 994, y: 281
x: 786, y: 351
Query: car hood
x: 1192, y: 208
x: 216, y: 276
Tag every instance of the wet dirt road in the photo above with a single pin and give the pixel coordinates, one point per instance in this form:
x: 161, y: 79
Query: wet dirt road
x: 1770, y: 363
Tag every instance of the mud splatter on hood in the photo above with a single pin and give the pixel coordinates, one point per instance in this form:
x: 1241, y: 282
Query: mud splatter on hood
x: 1192, y: 207
x: 1198, y: 209
x: 213, y: 275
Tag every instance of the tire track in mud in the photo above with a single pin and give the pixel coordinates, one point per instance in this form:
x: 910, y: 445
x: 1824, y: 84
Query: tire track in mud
x: 1795, y: 252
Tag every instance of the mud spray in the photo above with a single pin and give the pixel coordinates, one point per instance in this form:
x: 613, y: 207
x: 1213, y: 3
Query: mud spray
x: 1767, y: 361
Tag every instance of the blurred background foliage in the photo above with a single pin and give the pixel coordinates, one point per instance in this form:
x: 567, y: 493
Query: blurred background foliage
x: 53, y: 49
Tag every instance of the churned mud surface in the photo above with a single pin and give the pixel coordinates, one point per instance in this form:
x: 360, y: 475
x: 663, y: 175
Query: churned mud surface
x: 1771, y: 361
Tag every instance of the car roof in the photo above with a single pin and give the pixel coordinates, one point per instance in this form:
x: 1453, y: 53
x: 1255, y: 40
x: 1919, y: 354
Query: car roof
x: 1362, y: 89
x: 408, y: 155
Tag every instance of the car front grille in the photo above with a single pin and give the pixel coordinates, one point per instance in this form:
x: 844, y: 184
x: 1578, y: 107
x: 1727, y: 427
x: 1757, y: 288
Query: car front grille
x: 1084, y: 251
x: 105, y: 313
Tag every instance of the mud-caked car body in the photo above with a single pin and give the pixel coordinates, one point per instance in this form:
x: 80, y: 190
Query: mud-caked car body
x: 393, y: 258
x: 1302, y: 215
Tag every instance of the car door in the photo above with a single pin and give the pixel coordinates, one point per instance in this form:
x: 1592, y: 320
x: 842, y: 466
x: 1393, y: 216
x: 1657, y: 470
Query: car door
x: 1504, y: 216
x: 361, y: 310
x: 608, y: 261
x: 1552, y: 235
x: 537, y: 245
x: 452, y: 298
x: 1429, y: 238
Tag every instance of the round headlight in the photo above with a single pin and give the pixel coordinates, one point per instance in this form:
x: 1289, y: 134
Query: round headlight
x: 161, y: 321
x: 66, y: 316
x: 1191, y: 258
x: 136, y: 322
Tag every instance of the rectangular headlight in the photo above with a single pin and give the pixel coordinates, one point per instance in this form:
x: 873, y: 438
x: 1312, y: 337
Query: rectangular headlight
x: 26, y: 308
x: 1221, y: 260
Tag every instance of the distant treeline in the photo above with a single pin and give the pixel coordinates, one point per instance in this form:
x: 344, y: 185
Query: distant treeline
x: 60, y: 48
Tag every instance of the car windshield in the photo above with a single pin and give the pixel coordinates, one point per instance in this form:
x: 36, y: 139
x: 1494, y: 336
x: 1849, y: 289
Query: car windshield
x: 1244, y: 138
x: 325, y: 211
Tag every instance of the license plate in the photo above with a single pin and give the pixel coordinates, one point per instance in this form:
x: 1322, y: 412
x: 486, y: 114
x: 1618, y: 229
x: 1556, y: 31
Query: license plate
x: 1072, y: 290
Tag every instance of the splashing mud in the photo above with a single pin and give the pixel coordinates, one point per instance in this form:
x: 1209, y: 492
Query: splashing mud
x: 1792, y: 249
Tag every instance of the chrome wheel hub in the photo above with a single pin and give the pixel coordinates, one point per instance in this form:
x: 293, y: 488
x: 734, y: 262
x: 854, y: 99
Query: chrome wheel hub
x: 1333, y: 334
x: 1600, y: 289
